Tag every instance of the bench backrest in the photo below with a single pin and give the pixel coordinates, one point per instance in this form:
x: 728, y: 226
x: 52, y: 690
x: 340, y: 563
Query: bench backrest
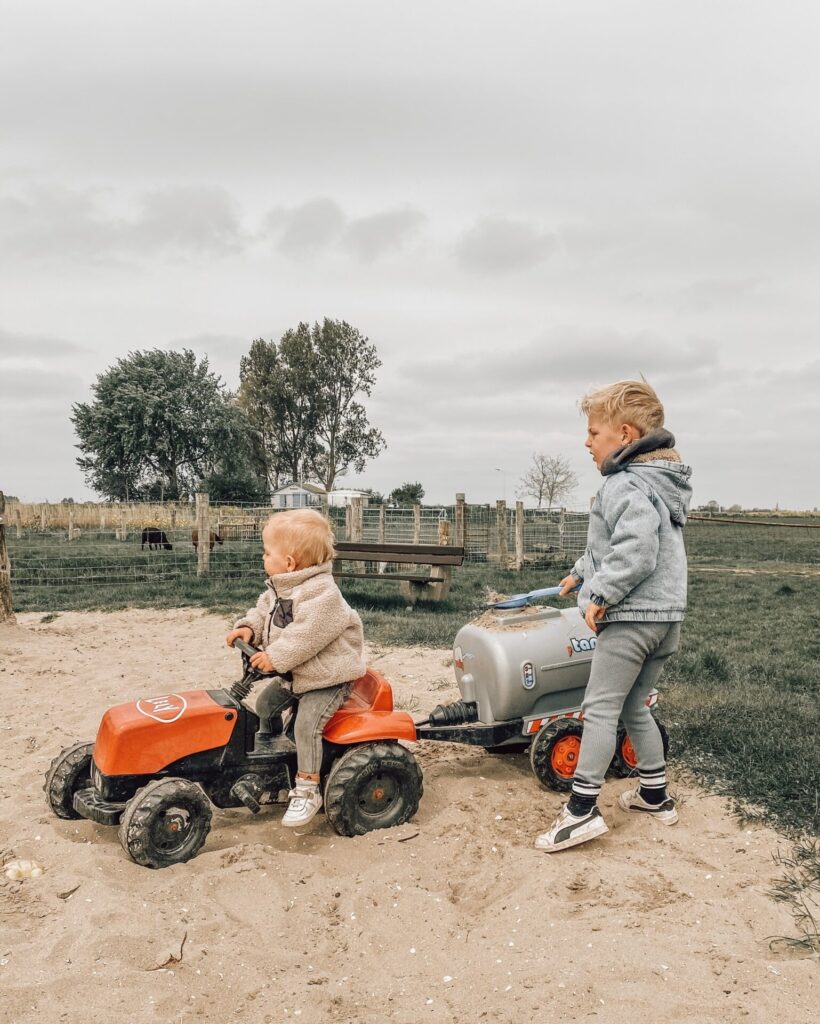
x: 405, y: 554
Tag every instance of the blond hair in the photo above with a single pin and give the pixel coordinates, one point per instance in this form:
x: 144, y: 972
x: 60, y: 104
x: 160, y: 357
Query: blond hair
x: 625, y: 401
x: 304, y: 534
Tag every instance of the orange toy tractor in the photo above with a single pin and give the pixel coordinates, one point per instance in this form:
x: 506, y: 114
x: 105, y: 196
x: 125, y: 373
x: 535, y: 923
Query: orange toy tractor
x: 159, y: 763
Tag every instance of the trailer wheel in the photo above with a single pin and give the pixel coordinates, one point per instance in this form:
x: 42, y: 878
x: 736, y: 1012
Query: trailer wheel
x: 554, y: 753
x: 375, y: 785
x: 69, y: 771
x: 625, y: 761
x: 165, y: 822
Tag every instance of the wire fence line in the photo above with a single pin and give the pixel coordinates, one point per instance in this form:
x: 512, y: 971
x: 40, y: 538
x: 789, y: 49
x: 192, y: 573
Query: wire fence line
x: 98, y: 545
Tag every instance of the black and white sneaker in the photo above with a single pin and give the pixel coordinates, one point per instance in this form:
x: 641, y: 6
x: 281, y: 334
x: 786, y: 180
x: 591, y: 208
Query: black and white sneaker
x: 568, y: 830
x: 666, y: 813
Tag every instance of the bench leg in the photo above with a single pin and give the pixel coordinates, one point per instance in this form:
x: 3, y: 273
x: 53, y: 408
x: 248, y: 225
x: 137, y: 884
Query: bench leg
x: 413, y: 592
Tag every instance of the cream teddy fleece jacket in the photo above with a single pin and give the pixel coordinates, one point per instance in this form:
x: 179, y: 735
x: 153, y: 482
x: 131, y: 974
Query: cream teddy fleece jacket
x: 307, y: 628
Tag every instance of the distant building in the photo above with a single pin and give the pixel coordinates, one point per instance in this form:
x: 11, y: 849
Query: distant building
x: 340, y: 498
x: 297, y: 496
x: 313, y: 495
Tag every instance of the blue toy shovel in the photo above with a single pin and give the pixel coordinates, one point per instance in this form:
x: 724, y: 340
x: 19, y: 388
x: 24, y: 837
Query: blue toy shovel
x: 521, y: 600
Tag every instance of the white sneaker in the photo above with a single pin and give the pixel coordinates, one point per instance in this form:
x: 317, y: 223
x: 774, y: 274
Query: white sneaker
x: 305, y: 801
x: 666, y: 813
x: 567, y: 830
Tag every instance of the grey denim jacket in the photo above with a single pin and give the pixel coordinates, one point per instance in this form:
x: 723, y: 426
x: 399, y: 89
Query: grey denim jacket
x: 635, y: 561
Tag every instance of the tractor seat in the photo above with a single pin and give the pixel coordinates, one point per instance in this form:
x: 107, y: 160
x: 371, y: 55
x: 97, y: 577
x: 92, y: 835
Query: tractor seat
x: 370, y: 692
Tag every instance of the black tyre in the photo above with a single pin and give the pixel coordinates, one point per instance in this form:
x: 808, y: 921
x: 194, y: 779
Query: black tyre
x: 554, y: 753
x: 165, y: 822
x: 376, y: 785
x: 68, y: 772
x: 625, y: 761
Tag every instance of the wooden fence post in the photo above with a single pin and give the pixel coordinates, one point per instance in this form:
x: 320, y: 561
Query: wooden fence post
x: 381, y: 524
x: 519, y: 535
x: 461, y: 522
x: 356, y: 509
x: 102, y: 518
x: 561, y: 530
x: 501, y: 526
x: 18, y: 522
x: 123, y: 524
x: 417, y: 524
x: 70, y: 523
x: 42, y: 519
x: 203, y: 548
x: 6, y: 610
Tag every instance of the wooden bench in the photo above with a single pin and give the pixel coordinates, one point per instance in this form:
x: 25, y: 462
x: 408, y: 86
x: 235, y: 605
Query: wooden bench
x: 434, y: 586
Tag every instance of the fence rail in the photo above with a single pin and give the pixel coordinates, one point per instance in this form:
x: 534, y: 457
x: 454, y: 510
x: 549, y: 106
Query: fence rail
x: 102, y: 544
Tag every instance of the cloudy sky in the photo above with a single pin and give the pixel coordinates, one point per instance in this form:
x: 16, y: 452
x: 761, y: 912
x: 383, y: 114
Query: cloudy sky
x: 512, y: 201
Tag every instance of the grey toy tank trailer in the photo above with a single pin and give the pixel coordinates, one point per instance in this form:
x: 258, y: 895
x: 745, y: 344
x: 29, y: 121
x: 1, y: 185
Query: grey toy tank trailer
x: 522, y: 676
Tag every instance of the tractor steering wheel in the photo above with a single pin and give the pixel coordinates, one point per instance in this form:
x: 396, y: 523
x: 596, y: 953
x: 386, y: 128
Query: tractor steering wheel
x: 247, y: 651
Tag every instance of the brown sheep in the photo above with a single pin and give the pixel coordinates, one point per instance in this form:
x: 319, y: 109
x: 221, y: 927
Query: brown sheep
x: 214, y: 538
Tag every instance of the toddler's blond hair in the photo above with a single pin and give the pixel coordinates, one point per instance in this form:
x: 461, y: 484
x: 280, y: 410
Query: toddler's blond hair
x: 303, y: 533
x: 625, y: 401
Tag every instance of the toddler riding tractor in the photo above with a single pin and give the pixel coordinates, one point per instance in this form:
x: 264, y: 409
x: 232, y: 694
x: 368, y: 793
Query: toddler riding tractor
x: 158, y: 764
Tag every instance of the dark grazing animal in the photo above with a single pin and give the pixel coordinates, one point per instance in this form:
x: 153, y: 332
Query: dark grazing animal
x: 155, y: 538
x: 213, y: 538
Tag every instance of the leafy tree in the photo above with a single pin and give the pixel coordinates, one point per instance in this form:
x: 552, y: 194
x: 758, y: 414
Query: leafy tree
x: 301, y: 397
x: 158, y: 424
x: 345, y: 367
x: 549, y: 479
x: 407, y: 494
x: 374, y: 497
x: 277, y: 393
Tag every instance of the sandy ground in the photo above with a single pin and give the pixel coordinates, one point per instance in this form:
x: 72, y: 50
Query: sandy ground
x: 452, y: 917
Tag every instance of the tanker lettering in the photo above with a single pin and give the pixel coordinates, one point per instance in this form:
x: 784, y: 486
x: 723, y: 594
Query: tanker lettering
x: 585, y: 644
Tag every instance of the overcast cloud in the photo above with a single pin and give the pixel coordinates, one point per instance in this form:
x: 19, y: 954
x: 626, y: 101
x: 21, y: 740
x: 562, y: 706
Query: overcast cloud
x: 514, y: 202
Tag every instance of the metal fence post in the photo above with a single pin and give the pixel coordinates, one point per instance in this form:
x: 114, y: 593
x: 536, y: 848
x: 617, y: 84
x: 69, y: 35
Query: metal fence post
x: 203, y: 547
x: 6, y: 610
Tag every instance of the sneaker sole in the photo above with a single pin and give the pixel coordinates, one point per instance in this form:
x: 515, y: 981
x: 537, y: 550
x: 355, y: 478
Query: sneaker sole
x: 664, y: 817
x: 585, y: 837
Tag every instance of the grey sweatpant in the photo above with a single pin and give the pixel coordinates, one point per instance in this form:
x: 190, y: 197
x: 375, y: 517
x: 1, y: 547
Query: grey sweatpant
x: 316, y: 708
x: 628, y: 659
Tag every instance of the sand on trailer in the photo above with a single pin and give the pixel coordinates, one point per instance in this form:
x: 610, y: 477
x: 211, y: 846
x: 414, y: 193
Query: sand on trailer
x: 451, y: 917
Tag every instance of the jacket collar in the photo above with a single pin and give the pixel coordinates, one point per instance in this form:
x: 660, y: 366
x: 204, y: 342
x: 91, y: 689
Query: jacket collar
x: 286, y: 581
x: 621, y: 457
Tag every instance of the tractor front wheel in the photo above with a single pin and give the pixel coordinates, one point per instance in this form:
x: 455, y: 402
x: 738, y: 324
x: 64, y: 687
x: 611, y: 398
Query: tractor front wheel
x: 69, y: 771
x: 554, y: 753
x: 165, y: 822
x: 375, y: 785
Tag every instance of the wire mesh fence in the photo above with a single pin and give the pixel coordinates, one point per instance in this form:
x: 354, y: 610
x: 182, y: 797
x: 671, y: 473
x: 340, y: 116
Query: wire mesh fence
x: 138, y: 544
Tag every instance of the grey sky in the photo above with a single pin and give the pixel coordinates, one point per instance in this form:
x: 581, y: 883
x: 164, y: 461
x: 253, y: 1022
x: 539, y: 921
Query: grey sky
x: 512, y: 201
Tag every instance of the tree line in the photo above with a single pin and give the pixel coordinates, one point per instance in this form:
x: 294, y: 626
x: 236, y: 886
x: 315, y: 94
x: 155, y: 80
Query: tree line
x: 162, y: 425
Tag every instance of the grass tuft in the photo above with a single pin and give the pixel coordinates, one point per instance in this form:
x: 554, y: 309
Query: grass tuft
x: 800, y: 889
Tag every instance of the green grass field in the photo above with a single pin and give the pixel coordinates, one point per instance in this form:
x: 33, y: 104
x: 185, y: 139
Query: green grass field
x: 740, y: 697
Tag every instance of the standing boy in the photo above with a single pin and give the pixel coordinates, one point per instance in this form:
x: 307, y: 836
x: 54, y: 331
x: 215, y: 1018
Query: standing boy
x: 633, y: 594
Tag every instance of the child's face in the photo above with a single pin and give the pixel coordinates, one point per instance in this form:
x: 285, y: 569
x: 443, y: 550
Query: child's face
x: 275, y: 560
x: 604, y: 438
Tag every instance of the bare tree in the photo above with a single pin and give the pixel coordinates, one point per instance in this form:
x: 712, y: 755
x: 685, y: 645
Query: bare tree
x: 549, y: 479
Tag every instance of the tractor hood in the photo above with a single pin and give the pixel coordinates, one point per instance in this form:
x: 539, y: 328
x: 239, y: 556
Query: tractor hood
x: 145, y: 736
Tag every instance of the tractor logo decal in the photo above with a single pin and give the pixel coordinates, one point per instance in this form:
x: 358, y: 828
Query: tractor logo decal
x: 166, y: 709
x: 584, y: 644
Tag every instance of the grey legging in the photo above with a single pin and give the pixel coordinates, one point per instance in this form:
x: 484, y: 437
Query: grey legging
x: 628, y: 659
x: 316, y: 708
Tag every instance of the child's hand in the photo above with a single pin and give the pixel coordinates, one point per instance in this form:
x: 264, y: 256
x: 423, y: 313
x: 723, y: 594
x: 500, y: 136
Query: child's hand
x: 595, y: 612
x: 243, y: 633
x: 567, y: 584
x: 261, y: 662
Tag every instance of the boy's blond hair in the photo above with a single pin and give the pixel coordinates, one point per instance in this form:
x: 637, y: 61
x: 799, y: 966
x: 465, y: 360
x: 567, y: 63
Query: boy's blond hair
x: 303, y: 533
x: 625, y: 401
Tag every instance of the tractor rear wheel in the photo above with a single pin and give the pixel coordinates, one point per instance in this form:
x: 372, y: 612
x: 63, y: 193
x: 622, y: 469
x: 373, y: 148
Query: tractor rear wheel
x: 375, y: 785
x: 554, y: 753
x: 625, y: 761
x: 69, y: 771
x: 165, y: 822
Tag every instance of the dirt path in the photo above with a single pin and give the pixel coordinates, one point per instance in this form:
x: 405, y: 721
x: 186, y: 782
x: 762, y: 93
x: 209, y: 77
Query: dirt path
x: 452, y: 917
